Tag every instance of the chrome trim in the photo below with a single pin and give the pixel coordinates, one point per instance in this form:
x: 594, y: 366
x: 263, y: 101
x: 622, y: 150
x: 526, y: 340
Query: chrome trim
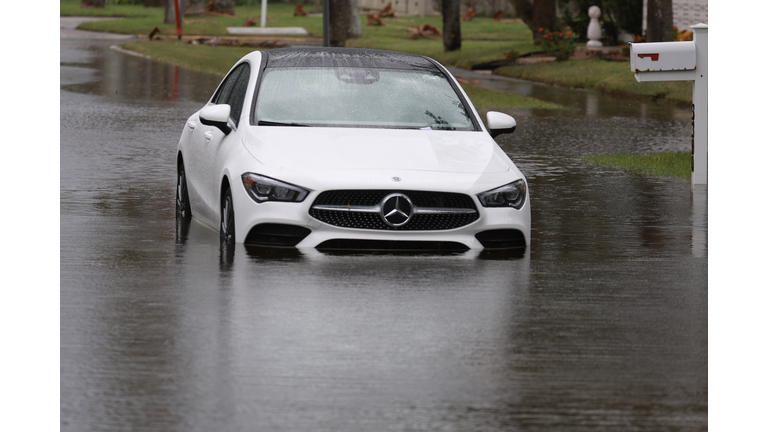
x: 442, y: 210
x: 347, y: 208
x: 377, y: 208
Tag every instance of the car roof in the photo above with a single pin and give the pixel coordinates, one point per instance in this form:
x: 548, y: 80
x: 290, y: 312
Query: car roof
x: 347, y: 57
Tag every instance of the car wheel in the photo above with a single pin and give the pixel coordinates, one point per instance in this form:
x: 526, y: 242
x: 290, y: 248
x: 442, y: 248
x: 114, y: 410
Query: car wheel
x: 227, y: 230
x: 182, y: 195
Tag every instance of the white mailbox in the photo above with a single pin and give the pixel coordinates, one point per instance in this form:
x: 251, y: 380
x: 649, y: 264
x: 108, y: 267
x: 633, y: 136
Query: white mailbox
x: 663, y: 56
x: 680, y: 61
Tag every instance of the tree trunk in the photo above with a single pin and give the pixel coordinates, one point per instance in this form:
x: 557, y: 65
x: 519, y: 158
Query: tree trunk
x: 545, y: 15
x: 170, y: 12
x: 524, y: 11
x: 92, y: 3
x: 192, y: 8
x: 451, y: 25
x: 224, y: 6
x: 355, y: 28
x: 541, y: 14
x: 660, y: 26
x: 339, y: 22
x: 154, y: 3
x: 196, y: 8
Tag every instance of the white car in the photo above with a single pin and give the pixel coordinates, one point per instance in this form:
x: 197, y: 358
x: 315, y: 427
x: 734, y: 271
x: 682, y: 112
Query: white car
x: 339, y: 148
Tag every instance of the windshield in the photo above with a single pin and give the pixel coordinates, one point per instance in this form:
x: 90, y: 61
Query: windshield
x: 359, y: 97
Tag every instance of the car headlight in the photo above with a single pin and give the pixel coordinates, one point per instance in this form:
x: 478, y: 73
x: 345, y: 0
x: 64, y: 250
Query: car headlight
x: 510, y: 195
x: 263, y: 189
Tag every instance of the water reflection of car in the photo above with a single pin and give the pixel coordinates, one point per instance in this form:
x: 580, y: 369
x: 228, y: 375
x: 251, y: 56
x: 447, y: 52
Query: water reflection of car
x: 349, y: 149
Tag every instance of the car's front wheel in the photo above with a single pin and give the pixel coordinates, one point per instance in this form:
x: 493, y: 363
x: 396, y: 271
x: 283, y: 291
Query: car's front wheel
x: 227, y: 229
x: 182, y: 195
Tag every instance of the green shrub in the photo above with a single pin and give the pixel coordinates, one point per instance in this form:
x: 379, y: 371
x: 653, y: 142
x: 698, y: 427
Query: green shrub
x: 559, y: 44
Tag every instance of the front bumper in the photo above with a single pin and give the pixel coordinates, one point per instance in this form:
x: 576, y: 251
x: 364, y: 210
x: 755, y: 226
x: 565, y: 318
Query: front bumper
x: 290, y: 225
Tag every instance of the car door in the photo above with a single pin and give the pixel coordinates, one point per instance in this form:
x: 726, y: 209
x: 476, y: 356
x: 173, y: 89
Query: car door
x: 211, y: 143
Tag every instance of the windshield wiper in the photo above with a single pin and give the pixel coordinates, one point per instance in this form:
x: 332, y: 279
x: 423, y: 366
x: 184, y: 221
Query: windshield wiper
x: 439, y: 122
x: 273, y: 123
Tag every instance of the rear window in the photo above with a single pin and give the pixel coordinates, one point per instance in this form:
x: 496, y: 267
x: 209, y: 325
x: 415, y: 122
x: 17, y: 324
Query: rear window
x: 359, y: 97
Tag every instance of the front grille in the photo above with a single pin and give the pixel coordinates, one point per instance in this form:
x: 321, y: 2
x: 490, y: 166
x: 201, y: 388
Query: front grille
x: 362, y: 209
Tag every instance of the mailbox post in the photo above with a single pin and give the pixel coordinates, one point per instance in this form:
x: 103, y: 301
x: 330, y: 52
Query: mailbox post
x: 680, y: 61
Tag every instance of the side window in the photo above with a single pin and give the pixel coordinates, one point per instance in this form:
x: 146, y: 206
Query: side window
x: 237, y: 97
x: 224, y: 91
x: 232, y: 92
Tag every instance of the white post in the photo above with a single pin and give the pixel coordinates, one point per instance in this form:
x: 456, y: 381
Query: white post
x: 263, y: 13
x: 594, y: 32
x: 700, y: 116
x: 681, y: 61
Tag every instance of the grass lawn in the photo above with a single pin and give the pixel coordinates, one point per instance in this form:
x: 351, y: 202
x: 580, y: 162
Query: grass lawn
x: 72, y: 8
x: 668, y: 164
x: 139, y: 20
x: 483, y: 39
x: 204, y: 58
x: 483, y: 98
x: 604, y: 76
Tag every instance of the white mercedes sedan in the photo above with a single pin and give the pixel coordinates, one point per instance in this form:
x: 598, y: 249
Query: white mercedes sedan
x: 340, y: 148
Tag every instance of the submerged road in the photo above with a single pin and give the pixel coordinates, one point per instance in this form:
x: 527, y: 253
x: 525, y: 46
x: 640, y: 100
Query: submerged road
x: 601, y: 325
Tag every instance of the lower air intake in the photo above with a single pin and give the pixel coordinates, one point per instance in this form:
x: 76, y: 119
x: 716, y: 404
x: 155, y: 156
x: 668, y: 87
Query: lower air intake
x: 270, y: 234
x: 501, y: 239
x: 391, y: 245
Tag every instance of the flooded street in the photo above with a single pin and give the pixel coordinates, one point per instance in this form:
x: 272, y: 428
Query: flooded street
x: 601, y: 325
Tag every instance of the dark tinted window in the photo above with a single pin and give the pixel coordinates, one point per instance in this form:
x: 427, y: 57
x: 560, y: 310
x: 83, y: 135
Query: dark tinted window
x: 226, y: 87
x: 232, y: 91
x: 237, y: 97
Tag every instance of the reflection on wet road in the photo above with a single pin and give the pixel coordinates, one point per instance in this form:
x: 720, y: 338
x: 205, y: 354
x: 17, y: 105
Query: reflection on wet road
x: 600, y: 326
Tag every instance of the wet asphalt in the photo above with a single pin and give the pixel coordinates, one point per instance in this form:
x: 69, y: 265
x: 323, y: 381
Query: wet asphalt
x: 601, y: 325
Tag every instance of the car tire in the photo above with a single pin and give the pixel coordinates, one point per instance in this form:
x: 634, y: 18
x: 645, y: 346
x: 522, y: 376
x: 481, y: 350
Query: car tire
x: 227, y: 228
x: 182, y: 195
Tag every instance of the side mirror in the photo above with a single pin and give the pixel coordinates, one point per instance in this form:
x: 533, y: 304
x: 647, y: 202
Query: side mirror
x: 500, y: 123
x: 217, y: 116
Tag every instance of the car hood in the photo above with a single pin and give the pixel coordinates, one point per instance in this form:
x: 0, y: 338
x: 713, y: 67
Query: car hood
x: 339, y: 149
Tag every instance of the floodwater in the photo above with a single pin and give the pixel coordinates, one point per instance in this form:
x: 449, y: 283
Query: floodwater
x: 601, y: 325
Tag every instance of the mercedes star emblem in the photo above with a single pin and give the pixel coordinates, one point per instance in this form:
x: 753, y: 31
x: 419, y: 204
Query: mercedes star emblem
x: 396, y: 209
